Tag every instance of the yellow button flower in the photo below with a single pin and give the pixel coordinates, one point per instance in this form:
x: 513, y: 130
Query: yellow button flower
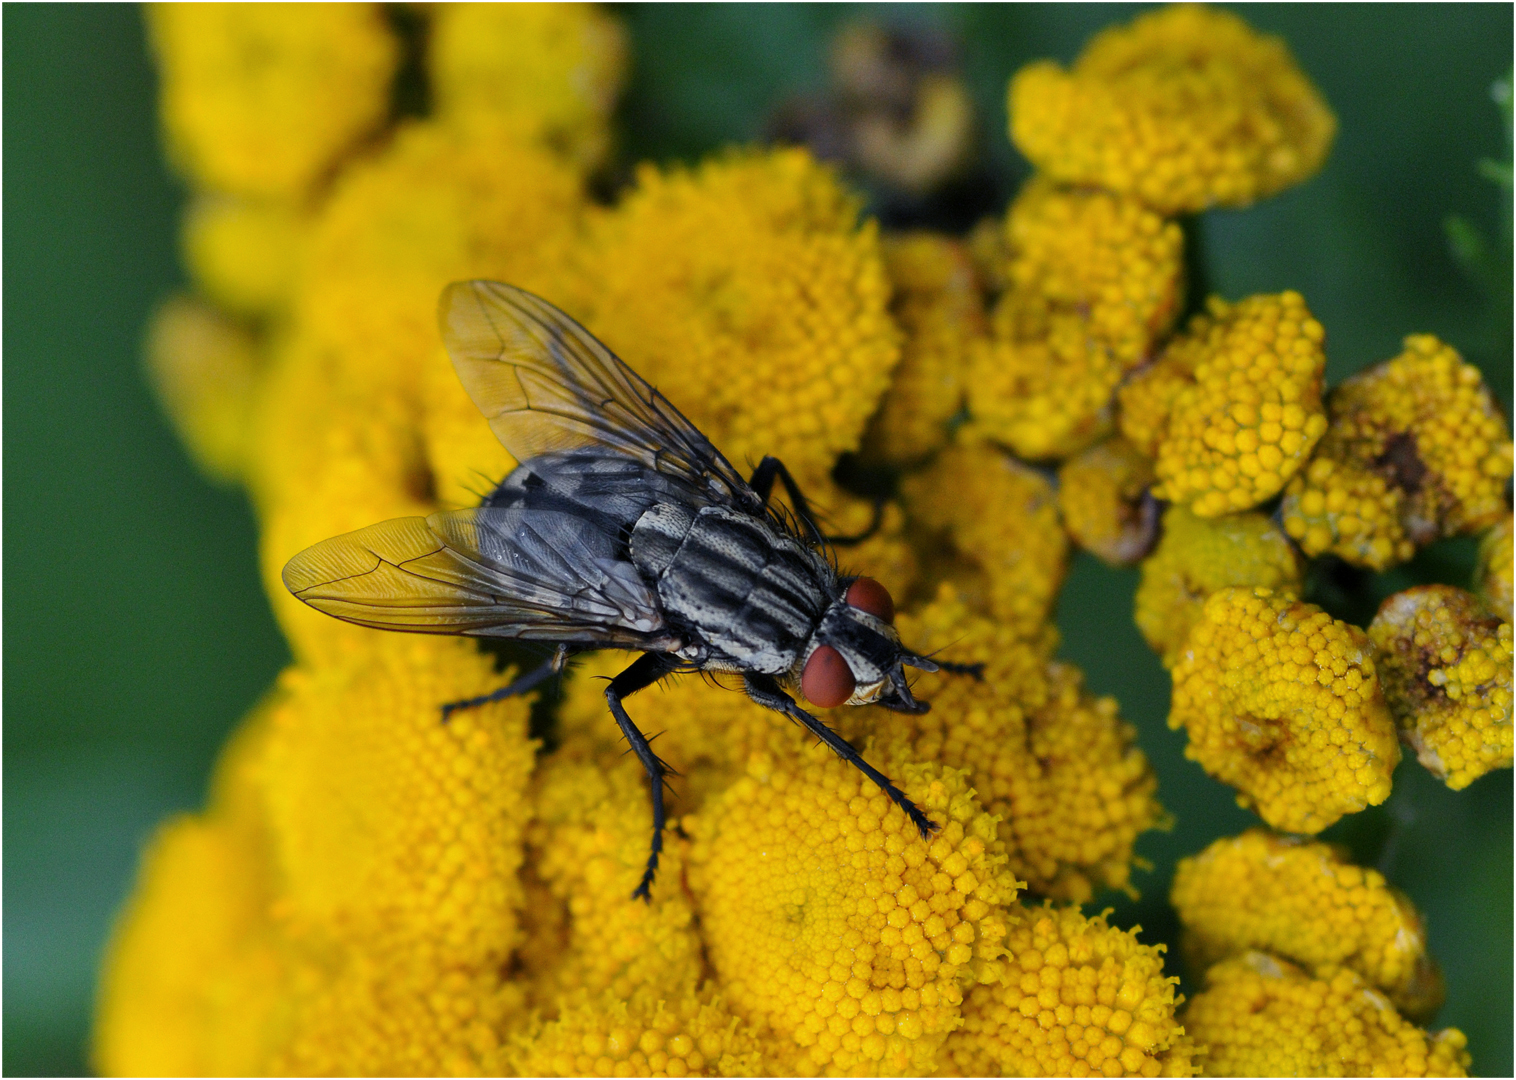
x: 1282, y: 702
x: 545, y: 73
x: 1416, y: 450
x: 262, y: 99
x: 1103, y: 497
x: 1196, y: 557
x: 1077, y: 998
x: 1185, y: 108
x: 1445, y: 663
x: 997, y: 526
x: 749, y: 292
x: 1056, y: 764
x: 1492, y: 576
x: 244, y: 254
x: 1304, y: 902
x: 936, y: 301
x: 1261, y: 1016
x: 829, y: 920
x: 1092, y: 280
x: 1250, y: 413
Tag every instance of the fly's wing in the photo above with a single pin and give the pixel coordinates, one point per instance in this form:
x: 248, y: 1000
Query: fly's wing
x: 533, y: 575
x: 547, y: 387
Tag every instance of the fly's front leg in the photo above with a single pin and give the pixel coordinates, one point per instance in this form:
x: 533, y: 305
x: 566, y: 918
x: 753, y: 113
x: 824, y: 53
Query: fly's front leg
x: 976, y: 670
x: 767, y: 692
x: 523, y: 683
x: 645, y: 671
x: 762, y: 483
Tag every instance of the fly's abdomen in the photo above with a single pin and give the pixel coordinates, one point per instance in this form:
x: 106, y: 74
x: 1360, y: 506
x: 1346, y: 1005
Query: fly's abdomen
x: 750, y: 592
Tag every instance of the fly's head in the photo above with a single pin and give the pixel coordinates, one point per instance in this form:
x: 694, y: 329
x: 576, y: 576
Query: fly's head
x: 855, y: 656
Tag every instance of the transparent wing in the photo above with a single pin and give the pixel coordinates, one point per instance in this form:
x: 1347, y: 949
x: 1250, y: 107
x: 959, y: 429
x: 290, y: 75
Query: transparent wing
x: 546, y: 386
x: 529, y: 574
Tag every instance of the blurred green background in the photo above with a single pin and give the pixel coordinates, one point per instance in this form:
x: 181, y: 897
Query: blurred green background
x: 136, y: 632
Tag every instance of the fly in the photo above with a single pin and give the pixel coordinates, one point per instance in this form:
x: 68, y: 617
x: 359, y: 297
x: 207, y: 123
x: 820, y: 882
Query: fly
x: 621, y: 527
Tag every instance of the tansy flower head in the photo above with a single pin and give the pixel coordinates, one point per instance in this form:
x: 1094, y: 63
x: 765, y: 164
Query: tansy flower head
x: 1250, y: 413
x: 831, y: 921
x: 1492, y: 575
x: 1077, y: 998
x: 935, y: 299
x: 1103, y: 497
x: 1281, y: 701
x: 1092, y: 279
x: 204, y: 368
x: 1416, y: 450
x: 997, y: 526
x: 748, y: 291
x: 1054, y: 763
x: 1302, y: 901
x: 1445, y: 663
x: 261, y: 100
x: 1261, y: 1016
x: 1186, y: 108
x: 546, y: 74
x: 1197, y: 556
x: 244, y: 254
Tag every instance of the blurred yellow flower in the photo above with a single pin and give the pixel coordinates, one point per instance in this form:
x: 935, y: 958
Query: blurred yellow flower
x: 1281, y: 701
x: 1185, y: 108
x: 1492, y: 576
x: 244, y: 254
x: 1261, y: 1016
x: 1416, y: 450
x: 1303, y: 902
x: 1445, y: 663
x: 1197, y: 556
x: 1103, y: 497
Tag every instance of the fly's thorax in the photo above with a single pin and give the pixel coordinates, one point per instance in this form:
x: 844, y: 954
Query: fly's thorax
x: 868, y: 645
x: 734, y: 582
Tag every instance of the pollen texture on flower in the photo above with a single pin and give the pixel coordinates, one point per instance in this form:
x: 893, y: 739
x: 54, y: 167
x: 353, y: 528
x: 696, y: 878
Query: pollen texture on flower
x: 261, y: 99
x: 1492, y: 575
x: 1445, y: 664
x: 832, y: 922
x: 996, y: 527
x: 1197, y: 556
x: 1416, y: 450
x: 1103, y: 498
x: 1249, y: 418
x: 935, y: 298
x: 1185, y: 108
x: 1302, y: 901
x: 1261, y: 1016
x: 1092, y: 280
x: 1077, y: 997
x: 1282, y: 702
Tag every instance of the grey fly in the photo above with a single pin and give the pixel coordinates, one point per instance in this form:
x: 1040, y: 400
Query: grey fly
x: 621, y: 527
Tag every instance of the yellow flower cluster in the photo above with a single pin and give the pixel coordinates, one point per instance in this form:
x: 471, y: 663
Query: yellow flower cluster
x: 936, y: 300
x: 1248, y: 411
x: 1301, y: 901
x: 1103, y: 498
x: 1197, y: 556
x: 1492, y: 575
x: 1185, y: 109
x: 996, y: 523
x: 1281, y: 701
x: 1077, y: 998
x: 1445, y: 664
x: 1260, y: 1016
x: 1416, y: 450
x: 1093, y: 279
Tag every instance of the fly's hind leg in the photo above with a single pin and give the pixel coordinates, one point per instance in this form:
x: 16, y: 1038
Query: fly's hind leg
x: 767, y: 692
x: 645, y: 671
x: 522, y: 684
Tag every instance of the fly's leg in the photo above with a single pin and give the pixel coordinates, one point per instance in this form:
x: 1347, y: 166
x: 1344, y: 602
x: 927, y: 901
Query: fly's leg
x: 763, y: 484
x: 523, y: 684
x: 645, y: 671
x: 766, y: 692
x: 976, y: 670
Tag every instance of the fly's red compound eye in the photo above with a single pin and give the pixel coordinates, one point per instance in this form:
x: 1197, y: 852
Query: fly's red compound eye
x: 866, y: 594
x: 827, y: 681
